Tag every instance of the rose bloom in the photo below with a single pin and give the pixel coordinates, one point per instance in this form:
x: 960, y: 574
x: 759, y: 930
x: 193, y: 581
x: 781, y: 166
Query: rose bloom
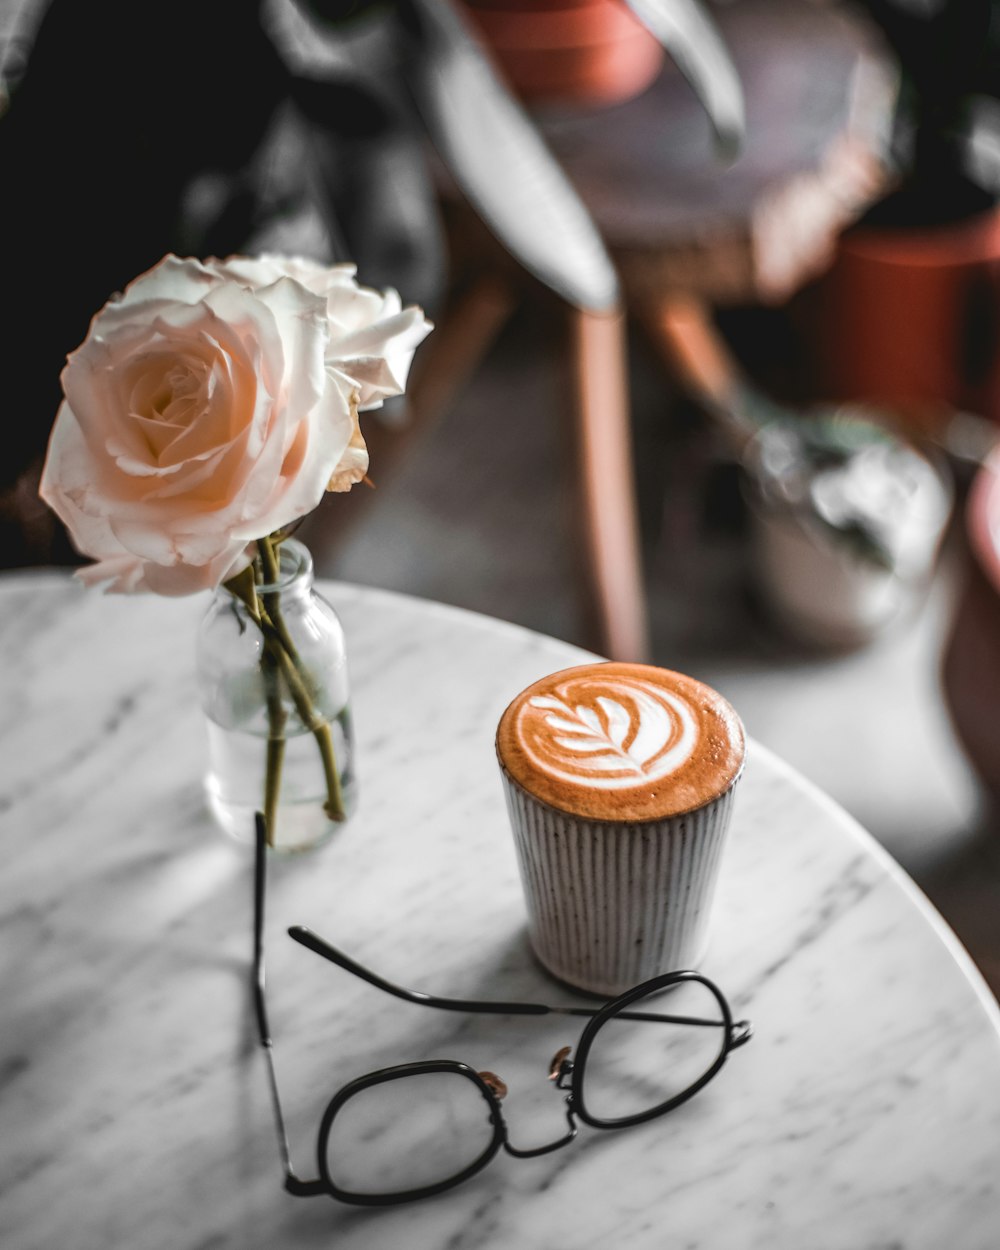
x: 211, y: 404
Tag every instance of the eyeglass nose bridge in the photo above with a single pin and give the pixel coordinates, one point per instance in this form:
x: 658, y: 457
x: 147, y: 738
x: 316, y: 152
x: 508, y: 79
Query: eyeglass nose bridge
x: 560, y: 1071
x: 534, y: 1151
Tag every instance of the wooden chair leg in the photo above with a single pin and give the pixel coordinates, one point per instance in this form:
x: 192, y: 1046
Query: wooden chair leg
x: 683, y: 334
x: 608, y: 515
x: 456, y: 346
x: 681, y: 328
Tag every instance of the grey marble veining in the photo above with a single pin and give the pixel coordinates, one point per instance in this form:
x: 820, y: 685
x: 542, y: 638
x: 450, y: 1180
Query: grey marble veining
x: 864, y: 1114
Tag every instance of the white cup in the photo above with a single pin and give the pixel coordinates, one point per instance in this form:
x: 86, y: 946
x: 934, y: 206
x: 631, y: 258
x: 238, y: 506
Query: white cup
x: 619, y: 879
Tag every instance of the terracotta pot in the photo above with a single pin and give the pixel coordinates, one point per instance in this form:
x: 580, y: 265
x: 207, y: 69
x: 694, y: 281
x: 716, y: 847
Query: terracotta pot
x: 971, y: 661
x: 911, y: 318
x: 530, y: 6
x: 584, y: 51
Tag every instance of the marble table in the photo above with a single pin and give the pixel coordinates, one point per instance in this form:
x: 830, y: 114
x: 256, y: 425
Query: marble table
x: 864, y: 1114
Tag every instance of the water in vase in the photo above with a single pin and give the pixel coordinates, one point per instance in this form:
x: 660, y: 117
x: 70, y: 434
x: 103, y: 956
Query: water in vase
x: 235, y: 781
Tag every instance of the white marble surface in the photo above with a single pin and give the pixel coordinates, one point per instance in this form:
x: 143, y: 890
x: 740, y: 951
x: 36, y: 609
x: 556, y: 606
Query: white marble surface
x: 865, y: 1113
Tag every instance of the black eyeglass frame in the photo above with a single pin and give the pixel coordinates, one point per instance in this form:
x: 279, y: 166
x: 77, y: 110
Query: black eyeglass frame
x: 567, y: 1074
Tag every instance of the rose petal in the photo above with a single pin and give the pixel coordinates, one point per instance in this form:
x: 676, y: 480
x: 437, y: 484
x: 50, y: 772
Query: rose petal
x: 188, y: 579
x: 124, y: 573
x: 172, y: 280
x: 329, y: 433
x: 302, y: 315
x: 353, y: 463
x: 213, y: 403
x: 378, y: 357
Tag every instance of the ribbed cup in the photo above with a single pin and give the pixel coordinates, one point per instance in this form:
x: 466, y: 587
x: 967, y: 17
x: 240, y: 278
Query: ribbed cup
x: 612, y: 904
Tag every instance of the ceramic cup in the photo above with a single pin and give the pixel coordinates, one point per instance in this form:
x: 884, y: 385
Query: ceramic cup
x: 619, y: 781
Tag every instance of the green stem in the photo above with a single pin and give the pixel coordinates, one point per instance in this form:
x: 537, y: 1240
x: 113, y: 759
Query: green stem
x: 317, y: 725
x: 271, y: 569
x: 268, y: 566
x: 276, y: 718
x: 244, y: 587
x: 281, y: 661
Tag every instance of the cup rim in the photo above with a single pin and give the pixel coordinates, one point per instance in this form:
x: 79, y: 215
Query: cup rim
x: 655, y: 798
x: 640, y: 822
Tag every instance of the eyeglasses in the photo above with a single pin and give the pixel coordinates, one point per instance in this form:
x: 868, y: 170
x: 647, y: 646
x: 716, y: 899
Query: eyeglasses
x: 417, y: 1129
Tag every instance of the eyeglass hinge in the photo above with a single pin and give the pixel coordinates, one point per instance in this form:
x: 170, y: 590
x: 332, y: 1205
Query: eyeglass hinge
x: 741, y: 1032
x: 303, y: 1189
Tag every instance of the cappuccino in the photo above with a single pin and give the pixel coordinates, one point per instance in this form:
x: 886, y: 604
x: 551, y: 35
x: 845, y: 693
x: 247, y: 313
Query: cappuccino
x: 625, y: 742
x: 619, y: 781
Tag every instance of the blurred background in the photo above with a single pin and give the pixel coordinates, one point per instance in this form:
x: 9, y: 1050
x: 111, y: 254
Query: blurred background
x: 715, y: 378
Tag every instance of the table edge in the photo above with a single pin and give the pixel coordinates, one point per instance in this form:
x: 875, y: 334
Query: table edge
x: 895, y: 872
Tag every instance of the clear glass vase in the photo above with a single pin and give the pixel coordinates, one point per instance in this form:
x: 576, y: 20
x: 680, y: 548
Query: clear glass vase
x: 272, y: 677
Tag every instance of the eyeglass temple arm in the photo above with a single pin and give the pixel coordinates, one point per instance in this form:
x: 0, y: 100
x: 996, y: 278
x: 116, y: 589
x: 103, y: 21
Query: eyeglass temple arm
x: 259, y: 880
x: 312, y: 941
x: 293, y: 1183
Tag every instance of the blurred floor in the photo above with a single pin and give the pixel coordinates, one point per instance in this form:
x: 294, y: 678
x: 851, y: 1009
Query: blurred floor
x: 479, y: 515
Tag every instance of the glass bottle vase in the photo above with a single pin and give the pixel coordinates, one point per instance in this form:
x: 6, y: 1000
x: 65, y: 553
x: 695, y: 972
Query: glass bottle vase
x: 272, y: 678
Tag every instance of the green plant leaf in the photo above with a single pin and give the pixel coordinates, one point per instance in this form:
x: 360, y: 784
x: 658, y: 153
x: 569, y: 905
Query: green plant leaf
x: 498, y: 159
x: 693, y: 41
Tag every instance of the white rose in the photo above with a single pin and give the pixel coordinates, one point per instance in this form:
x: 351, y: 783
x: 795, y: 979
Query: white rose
x: 372, y: 336
x: 204, y: 410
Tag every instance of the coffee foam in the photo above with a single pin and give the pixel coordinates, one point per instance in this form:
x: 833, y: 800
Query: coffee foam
x: 622, y: 742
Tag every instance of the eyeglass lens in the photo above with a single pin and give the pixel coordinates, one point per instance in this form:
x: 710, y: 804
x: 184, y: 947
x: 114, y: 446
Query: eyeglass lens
x: 407, y: 1133
x: 635, y: 1066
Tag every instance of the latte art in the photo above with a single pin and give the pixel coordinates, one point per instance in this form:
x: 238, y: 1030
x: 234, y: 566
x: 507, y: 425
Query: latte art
x: 615, y: 741
x: 608, y: 741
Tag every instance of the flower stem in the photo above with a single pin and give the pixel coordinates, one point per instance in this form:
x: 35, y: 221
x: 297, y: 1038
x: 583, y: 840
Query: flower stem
x: 276, y: 718
x: 270, y: 566
x: 281, y: 662
x: 317, y: 725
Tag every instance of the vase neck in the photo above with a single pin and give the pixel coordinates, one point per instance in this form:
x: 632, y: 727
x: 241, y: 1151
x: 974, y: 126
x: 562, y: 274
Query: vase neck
x: 295, y: 570
x: 295, y: 573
